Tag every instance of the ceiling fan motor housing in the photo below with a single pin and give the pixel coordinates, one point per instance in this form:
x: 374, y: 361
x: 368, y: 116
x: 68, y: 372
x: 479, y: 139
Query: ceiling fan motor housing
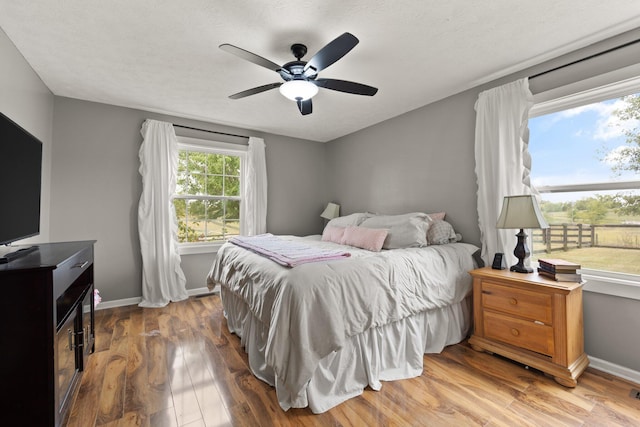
x: 294, y: 70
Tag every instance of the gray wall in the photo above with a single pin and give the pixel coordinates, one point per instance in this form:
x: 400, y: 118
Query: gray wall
x: 26, y: 100
x: 611, y: 329
x: 424, y: 161
x: 420, y: 161
x: 96, y: 188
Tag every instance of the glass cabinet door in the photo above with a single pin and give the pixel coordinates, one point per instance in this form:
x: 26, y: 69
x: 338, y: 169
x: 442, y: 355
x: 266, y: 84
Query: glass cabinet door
x: 87, y: 330
x: 66, y: 358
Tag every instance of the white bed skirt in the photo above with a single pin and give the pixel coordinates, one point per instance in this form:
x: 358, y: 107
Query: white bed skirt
x: 391, y: 352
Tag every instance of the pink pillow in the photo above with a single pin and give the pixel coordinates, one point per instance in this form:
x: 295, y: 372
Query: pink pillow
x: 366, y: 238
x: 332, y: 234
x: 436, y: 216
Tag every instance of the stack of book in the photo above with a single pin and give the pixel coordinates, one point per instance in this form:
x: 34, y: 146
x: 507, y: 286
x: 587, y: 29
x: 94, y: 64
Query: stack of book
x: 559, y: 270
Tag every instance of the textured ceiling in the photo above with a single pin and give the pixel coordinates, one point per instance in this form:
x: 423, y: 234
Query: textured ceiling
x: 163, y: 56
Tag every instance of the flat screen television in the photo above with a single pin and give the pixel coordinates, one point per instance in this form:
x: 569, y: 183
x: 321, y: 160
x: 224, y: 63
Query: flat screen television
x: 20, y: 175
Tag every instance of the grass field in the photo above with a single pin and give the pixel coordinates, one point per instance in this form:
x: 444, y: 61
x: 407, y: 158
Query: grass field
x: 608, y: 259
x: 598, y: 258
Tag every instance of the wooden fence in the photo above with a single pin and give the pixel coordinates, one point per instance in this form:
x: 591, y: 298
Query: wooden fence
x: 575, y: 236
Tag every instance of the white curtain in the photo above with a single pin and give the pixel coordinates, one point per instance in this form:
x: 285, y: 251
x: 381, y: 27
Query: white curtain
x: 162, y: 278
x: 254, y: 203
x: 502, y: 160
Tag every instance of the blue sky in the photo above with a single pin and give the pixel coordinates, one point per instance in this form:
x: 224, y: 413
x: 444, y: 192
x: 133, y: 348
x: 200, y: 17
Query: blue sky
x: 571, y: 146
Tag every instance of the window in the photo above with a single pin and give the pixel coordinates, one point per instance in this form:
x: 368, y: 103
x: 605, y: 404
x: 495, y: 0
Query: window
x: 208, y: 191
x: 585, y: 152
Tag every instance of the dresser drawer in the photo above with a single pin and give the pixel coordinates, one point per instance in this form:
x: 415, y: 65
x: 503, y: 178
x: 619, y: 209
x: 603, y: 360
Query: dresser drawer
x: 519, y: 302
x: 70, y: 270
x: 522, y: 333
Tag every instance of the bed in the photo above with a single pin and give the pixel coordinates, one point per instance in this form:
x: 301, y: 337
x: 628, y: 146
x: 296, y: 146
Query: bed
x: 321, y: 332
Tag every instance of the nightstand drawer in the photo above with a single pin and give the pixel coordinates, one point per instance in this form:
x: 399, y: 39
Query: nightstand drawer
x: 518, y: 332
x: 520, y: 302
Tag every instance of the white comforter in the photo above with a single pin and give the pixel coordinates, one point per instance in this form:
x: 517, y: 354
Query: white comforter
x: 311, y: 309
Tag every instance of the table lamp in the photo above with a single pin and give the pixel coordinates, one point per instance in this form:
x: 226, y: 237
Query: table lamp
x: 521, y: 212
x: 331, y: 211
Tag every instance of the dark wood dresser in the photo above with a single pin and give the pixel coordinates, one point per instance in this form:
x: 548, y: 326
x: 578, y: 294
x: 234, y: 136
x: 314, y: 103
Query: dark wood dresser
x: 47, y: 317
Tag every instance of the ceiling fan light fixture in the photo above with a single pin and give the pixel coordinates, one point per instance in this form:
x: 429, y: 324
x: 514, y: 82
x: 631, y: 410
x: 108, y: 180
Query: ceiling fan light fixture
x: 298, y: 89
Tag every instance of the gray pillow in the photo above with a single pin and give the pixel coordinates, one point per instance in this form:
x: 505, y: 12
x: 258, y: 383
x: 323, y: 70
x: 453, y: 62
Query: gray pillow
x: 441, y: 232
x: 405, y: 231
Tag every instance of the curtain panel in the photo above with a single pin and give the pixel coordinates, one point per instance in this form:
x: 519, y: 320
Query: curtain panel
x: 254, y: 203
x: 162, y: 278
x: 502, y: 158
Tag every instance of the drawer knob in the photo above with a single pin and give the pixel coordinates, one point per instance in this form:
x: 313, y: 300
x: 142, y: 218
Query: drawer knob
x: 513, y: 301
x: 515, y: 332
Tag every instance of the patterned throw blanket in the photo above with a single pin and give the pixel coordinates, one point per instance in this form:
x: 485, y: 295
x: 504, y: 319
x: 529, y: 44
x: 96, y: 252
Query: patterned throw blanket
x: 286, y: 252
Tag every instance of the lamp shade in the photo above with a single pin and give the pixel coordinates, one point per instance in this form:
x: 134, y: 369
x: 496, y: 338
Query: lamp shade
x: 521, y: 212
x: 331, y: 211
x: 294, y: 89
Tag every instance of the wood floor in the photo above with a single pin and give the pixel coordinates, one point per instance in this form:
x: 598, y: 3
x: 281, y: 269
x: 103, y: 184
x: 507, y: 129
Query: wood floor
x: 180, y: 366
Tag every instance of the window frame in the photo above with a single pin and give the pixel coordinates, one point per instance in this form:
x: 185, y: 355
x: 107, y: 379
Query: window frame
x: 212, y: 147
x: 605, y: 282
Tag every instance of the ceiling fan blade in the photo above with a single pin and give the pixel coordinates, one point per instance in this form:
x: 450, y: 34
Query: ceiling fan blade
x: 254, y: 90
x: 251, y: 57
x: 345, y: 86
x: 333, y: 51
x: 305, y: 107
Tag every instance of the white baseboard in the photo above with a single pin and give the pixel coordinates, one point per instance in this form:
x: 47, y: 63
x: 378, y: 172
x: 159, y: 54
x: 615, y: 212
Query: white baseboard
x: 613, y: 369
x: 203, y: 291
x: 135, y: 301
x: 103, y: 305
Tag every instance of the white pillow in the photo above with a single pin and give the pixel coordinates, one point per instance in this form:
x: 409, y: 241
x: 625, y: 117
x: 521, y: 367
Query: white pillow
x: 405, y: 231
x: 441, y: 232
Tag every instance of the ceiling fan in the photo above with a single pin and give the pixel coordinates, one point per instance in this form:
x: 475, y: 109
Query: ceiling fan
x: 300, y: 77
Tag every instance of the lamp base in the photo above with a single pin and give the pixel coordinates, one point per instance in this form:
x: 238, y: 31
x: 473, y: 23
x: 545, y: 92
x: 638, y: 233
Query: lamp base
x: 521, y: 252
x: 521, y: 269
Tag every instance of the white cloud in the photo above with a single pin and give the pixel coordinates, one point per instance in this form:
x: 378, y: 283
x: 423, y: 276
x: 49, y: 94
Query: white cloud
x: 617, y: 156
x: 607, y: 125
x: 572, y: 112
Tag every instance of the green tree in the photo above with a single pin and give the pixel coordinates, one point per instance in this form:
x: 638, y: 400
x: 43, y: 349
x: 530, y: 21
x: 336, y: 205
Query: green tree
x: 551, y: 206
x: 592, y: 210
x: 628, y: 204
x: 627, y: 158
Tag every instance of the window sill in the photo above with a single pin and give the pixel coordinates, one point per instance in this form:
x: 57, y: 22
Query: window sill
x: 198, y: 248
x: 614, y: 284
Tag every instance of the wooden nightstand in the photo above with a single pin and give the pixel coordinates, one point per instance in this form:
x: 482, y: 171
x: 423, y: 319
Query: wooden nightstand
x: 530, y: 319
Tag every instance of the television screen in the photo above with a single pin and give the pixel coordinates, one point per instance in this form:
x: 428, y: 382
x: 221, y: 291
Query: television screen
x: 20, y: 174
